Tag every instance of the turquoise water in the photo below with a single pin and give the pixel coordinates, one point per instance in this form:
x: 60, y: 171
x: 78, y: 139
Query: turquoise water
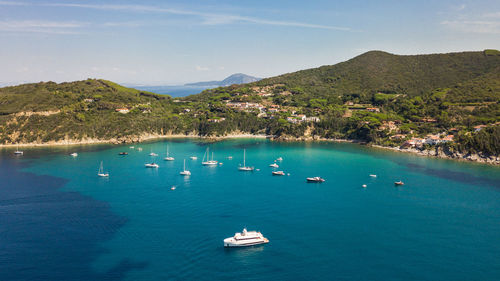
x: 443, y: 224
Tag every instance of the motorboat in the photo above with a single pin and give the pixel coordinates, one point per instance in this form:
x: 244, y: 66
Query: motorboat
x: 244, y: 168
x: 185, y: 172
x: 123, y: 153
x: 151, y: 165
x: 364, y: 185
x: 173, y: 187
x: 399, y: 183
x: 74, y: 154
x: 278, y: 173
x: 193, y: 158
x: 274, y: 165
x: 279, y: 159
x: 153, y: 154
x: 101, y: 172
x: 315, y: 179
x: 373, y: 176
x: 245, y: 239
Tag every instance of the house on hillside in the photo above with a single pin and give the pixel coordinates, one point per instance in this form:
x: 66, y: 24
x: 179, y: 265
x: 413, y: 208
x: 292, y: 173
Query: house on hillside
x: 479, y: 128
x: 123, y: 110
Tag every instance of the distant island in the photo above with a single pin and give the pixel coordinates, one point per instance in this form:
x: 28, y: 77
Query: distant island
x: 235, y: 79
x: 444, y: 105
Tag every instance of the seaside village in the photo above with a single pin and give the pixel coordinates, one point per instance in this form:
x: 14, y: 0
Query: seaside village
x: 265, y: 108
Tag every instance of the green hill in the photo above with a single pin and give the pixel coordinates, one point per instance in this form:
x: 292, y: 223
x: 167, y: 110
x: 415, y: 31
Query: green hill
x: 376, y: 97
x: 377, y: 71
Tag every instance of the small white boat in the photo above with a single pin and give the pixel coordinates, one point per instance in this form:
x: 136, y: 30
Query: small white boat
x: 101, y: 172
x: 168, y: 158
x: 278, y: 173
x: 279, y: 159
x: 18, y: 152
x: 208, y: 162
x: 193, y: 158
x: 315, y: 179
x: 399, y: 183
x: 153, y: 154
x: 364, y: 185
x: 185, y: 172
x: 274, y: 165
x: 173, y: 187
x: 74, y: 154
x: 139, y: 148
x: 230, y: 157
x: 373, y: 176
x: 245, y: 239
x: 151, y: 165
x: 244, y: 168
x: 131, y: 147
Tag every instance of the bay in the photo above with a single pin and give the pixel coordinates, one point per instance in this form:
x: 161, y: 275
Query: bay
x: 58, y: 219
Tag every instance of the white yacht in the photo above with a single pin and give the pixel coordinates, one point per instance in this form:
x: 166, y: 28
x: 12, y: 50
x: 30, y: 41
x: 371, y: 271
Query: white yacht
x: 152, y: 165
x: 193, y: 158
x: 168, y: 158
x: 279, y: 159
x: 245, y: 238
x: 244, y: 167
x: 373, y: 176
x: 278, y: 173
x: 185, y: 172
x: 74, y: 154
x: 153, y: 154
x: 101, y: 172
x: 315, y: 179
x: 208, y: 162
x: 274, y: 165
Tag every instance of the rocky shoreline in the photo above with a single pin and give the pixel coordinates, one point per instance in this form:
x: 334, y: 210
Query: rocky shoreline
x: 437, y: 152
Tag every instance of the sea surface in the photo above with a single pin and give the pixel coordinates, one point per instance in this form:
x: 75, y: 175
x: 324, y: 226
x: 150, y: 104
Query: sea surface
x: 59, y: 221
x: 175, y: 91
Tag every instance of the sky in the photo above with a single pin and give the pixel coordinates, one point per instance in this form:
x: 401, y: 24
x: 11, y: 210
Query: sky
x: 155, y: 42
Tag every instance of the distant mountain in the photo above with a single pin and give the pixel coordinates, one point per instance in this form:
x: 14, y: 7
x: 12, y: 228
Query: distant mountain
x: 238, y: 78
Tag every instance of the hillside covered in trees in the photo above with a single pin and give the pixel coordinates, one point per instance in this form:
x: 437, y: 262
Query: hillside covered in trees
x: 449, y: 100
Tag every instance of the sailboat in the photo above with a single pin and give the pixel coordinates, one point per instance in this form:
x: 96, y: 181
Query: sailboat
x: 208, y: 162
x: 18, y: 152
x: 168, y: 158
x: 244, y: 167
x: 101, y: 172
x: 185, y: 172
x: 152, y: 153
x: 152, y: 165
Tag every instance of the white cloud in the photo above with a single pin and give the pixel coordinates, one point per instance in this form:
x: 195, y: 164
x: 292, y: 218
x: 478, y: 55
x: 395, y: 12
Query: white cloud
x: 492, y: 15
x: 206, y: 18
x: 40, y: 26
x: 201, y: 68
x: 478, y: 26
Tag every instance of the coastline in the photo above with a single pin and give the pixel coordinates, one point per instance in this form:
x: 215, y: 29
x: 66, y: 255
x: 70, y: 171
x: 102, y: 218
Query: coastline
x: 439, y: 153
x: 131, y: 139
x: 433, y: 153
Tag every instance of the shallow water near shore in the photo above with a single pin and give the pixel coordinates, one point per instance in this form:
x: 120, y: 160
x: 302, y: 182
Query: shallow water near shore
x: 60, y: 220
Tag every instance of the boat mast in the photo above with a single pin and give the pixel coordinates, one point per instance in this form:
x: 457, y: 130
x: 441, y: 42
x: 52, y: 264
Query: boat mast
x: 244, y: 150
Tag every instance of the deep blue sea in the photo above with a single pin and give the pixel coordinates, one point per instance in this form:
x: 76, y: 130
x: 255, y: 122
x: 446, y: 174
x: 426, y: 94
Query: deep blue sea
x: 59, y: 221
